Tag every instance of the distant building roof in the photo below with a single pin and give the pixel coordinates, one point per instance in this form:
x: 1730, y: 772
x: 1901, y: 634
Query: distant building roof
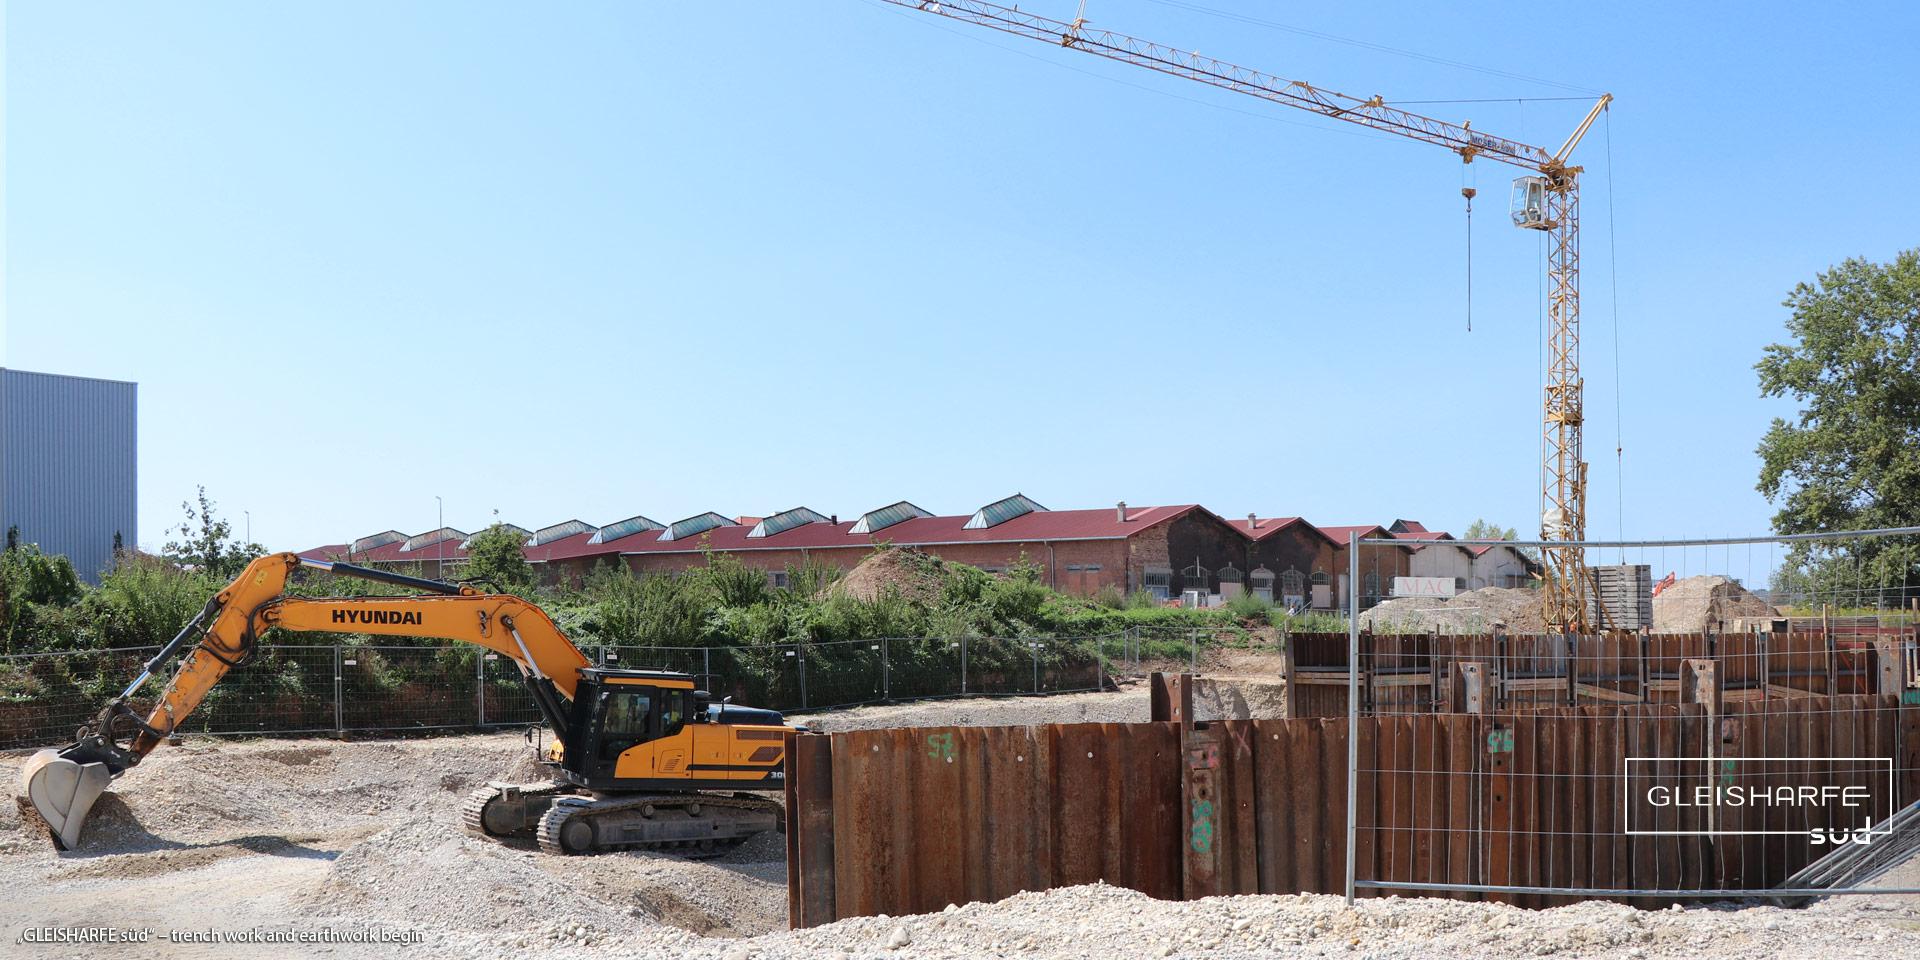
x: 783, y: 521
x: 877, y: 520
x: 375, y: 540
x: 431, y: 537
x: 695, y: 525
x: 625, y: 528
x: 1342, y: 535
x: 560, y: 531
x: 1263, y: 527
x: 524, y: 533
x: 1000, y: 511
x: 330, y: 552
x: 1406, y: 526
x: 1421, y: 538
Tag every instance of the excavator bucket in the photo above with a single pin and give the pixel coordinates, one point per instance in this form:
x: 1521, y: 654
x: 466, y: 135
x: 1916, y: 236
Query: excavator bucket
x: 62, y: 791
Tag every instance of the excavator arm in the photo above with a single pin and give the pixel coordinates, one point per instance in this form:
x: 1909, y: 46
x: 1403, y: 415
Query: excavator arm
x: 63, y: 784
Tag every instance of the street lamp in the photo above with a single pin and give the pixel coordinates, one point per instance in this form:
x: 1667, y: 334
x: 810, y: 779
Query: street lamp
x: 249, y: 514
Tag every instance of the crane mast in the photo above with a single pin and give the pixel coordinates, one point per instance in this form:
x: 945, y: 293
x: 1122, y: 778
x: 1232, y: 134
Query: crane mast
x: 1547, y: 199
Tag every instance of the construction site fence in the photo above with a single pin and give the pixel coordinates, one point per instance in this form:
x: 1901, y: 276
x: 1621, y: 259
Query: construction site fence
x: 337, y: 688
x: 1532, y: 806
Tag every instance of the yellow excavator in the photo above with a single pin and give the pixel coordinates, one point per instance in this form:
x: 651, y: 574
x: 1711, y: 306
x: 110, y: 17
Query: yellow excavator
x: 639, y: 758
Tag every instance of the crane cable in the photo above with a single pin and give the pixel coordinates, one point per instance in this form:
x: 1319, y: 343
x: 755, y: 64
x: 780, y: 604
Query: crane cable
x: 1467, y: 190
x: 1613, y: 301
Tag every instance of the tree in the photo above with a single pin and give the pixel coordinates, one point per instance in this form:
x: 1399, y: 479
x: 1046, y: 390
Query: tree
x: 1483, y: 529
x: 206, y: 542
x: 1851, y: 458
x: 495, y: 555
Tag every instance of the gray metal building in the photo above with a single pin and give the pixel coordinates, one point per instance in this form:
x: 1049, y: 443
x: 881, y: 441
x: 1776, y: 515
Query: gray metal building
x: 68, y: 465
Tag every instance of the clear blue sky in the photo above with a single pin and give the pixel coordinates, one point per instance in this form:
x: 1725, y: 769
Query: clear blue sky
x: 602, y: 259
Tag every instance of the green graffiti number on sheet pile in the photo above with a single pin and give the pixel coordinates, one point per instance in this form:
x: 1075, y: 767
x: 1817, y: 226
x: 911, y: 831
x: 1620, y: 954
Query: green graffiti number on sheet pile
x: 1727, y: 768
x: 1500, y: 741
x: 940, y: 746
x: 1202, y: 839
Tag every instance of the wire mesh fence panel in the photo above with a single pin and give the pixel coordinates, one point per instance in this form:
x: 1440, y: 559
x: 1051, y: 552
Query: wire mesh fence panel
x: 45, y: 697
x: 998, y: 666
x: 283, y: 689
x: 503, y: 699
x: 744, y: 673
x: 844, y: 673
x: 1116, y: 653
x: 1070, y: 664
x: 688, y: 660
x: 925, y: 667
x: 400, y: 688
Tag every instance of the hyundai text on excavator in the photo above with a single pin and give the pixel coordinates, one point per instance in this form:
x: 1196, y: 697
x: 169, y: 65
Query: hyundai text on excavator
x: 640, y: 758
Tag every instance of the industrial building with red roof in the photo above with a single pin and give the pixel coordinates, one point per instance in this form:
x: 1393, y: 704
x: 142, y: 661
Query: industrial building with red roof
x: 1163, y: 550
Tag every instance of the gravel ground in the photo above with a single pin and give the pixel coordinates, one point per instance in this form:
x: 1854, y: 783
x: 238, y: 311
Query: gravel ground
x: 1106, y: 922
x: 317, y: 835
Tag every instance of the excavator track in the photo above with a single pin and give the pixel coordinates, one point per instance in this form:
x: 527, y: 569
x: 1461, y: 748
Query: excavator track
x: 500, y: 810
x: 694, y: 825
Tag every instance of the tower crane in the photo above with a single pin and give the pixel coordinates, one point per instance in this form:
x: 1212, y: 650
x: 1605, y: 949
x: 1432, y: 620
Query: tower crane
x: 1547, y: 199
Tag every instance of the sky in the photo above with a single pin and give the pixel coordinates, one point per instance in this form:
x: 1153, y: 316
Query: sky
x: 602, y: 259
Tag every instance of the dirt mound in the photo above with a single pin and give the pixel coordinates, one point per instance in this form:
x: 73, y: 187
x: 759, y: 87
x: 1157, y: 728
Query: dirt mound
x: 910, y: 574
x: 1475, y: 611
x: 1691, y: 604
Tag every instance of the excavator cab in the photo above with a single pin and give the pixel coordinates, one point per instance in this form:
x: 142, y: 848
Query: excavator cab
x: 651, y: 729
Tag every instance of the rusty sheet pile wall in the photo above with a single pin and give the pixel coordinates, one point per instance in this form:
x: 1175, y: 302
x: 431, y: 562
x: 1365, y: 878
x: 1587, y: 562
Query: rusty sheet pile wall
x: 907, y: 821
x: 1413, y: 673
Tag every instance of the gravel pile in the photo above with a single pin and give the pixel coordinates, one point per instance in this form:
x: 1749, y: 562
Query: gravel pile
x: 1475, y: 611
x: 1691, y: 604
x: 1099, y: 921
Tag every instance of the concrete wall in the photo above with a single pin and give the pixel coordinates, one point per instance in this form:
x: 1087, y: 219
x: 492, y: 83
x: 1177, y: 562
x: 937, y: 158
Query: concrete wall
x: 69, y: 465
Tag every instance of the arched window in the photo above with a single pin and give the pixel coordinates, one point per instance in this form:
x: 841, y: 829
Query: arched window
x: 1372, y: 588
x: 1195, y: 578
x: 1293, y: 583
x: 1319, y: 578
x: 1229, y: 573
x: 1261, y: 579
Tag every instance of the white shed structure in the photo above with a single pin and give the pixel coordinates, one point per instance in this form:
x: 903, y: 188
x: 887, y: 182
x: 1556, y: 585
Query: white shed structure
x: 1436, y: 556
x: 1498, y: 566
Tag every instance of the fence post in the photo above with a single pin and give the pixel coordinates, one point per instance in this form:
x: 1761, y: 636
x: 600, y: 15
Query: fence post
x: 480, y: 688
x: 1033, y: 650
x: 800, y: 661
x: 886, y: 672
x: 963, y: 663
x: 339, y: 708
x: 1193, y: 649
x: 706, y: 665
